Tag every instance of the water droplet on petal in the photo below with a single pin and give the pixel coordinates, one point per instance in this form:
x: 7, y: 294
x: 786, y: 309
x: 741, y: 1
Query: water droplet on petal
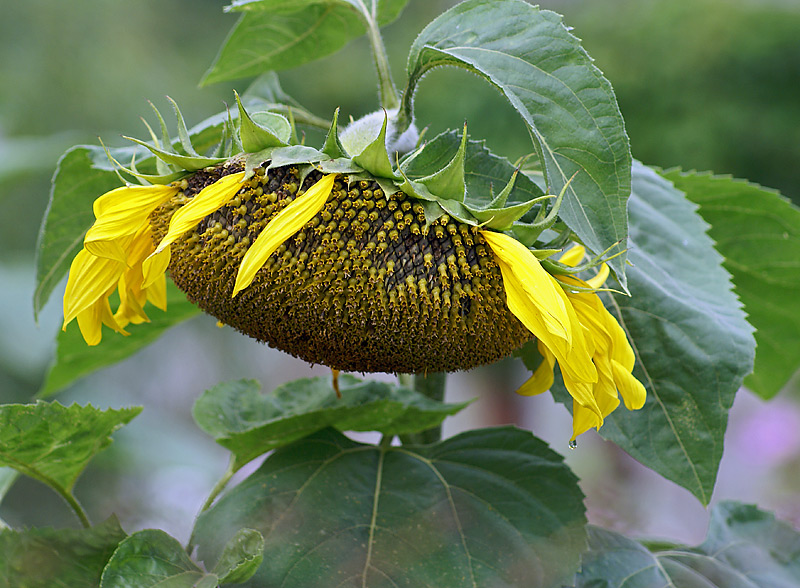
x: 573, y: 444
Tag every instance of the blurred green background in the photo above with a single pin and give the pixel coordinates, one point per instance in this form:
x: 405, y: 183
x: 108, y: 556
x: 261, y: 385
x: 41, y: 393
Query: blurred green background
x: 702, y: 84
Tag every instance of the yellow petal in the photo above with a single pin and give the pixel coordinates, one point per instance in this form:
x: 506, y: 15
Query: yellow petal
x: 155, y: 266
x: 285, y: 224
x: 157, y: 292
x: 208, y: 200
x: 601, y: 277
x: 542, y: 378
x: 90, y: 278
x: 583, y: 419
x: 632, y: 390
x: 123, y: 212
x: 533, y: 290
x: 574, y: 256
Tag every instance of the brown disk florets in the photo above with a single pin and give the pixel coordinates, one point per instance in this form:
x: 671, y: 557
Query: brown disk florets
x: 364, y: 286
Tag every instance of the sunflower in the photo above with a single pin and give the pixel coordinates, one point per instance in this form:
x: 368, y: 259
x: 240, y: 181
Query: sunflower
x: 339, y: 265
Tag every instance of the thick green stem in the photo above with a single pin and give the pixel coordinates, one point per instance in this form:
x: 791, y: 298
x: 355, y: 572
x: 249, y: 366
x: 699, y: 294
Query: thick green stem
x: 432, y: 386
x: 76, y: 507
x: 386, y: 90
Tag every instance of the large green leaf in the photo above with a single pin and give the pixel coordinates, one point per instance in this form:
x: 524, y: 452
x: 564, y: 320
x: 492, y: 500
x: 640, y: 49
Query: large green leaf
x: 54, y: 443
x: 758, y: 233
x: 567, y: 104
x: 75, y: 359
x: 150, y: 559
x: 249, y: 423
x: 491, y: 507
x: 76, y: 184
x: 745, y: 548
x: 57, y: 558
x: 692, y: 342
x: 276, y: 35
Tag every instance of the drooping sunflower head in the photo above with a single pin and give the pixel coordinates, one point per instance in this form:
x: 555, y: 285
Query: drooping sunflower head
x: 349, y: 261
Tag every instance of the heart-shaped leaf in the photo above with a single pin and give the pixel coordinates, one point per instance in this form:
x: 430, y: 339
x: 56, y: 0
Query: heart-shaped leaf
x: 250, y: 423
x: 491, y: 507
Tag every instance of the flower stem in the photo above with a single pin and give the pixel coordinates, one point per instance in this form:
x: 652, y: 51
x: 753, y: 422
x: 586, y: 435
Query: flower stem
x: 387, y: 93
x: 432, y: 386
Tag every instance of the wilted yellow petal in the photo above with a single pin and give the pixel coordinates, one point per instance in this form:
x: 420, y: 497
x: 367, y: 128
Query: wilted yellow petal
x: 542, y: 378
x: 90, y: 278
x: 123, y: 212
x: 209, y: 200
x: 601, y: 277
x: 285, y: 224
x: 632, y: 390
x: 153, y: 267
x: 573, y: 256
x: 533, y: 290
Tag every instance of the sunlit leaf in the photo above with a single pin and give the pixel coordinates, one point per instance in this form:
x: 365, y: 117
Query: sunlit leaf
x: 250, y: 423
x: 491, y: 507
x: 53, y: 443
x: 758, y: 233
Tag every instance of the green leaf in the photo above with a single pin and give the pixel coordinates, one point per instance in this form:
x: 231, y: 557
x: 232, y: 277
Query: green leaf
x: 492, y: 507
x: 387, y: 10
x: 758, y: 233
x: 745, y: 548
x: 187, y: 162
x: 241, y: 557
x: 249, y: 423
x: 567, y: 104
x: 76, y: 184
x: 692, y: 342
x: 150, y: 559
x: 264, y: 40
x: 57, y: 558
x: 54, y: 443
x: 75, y: 359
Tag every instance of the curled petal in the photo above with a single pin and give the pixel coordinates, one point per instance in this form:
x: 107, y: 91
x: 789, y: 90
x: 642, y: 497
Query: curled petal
x: 285, y: 224
x: 209, y: 200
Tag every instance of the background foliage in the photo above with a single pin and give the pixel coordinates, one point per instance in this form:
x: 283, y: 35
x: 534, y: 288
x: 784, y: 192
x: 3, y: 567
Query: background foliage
x: 692, y: 79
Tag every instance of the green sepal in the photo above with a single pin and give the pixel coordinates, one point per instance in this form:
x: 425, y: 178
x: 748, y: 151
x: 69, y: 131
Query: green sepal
x: 374, y: 158
x: 340, y: 165
x: 150, y: 178
x: 161, y: 166
x: 502, y: 219
x: 420, y: 191
x: 183, y: 133
x: 333, y: 148
x: 186, y: 162
x: 271, y: 130
x: 449, y: 182
x: 281, y: 156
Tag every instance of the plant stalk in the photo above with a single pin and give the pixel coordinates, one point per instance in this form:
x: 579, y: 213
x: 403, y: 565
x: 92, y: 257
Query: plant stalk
x: 387, y: 93
x: 215, y: 491
x: 76, y: 507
